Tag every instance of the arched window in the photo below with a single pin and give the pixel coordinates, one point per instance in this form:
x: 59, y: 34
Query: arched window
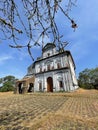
x: 48, y: 67
x: 61, y: 84
x: 58, y: 62
x: 40, y: 86
x: 40, y: 69
x: 48, y: 54
x: 58, y: 65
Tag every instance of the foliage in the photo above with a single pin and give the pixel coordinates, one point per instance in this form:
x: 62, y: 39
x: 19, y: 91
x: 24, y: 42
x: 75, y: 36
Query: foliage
x: 7, y: 86
x: 35, y: 19
x: 88, y: 78
x: 8, y: 83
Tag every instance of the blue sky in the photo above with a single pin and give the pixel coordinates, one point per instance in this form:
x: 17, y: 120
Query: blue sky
x: 83, y: 43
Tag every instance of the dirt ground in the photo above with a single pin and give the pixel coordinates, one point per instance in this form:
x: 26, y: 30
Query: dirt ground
x: 49, y: 111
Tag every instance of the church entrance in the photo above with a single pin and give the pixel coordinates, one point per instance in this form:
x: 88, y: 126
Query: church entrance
x: 20, y: 88
x: 49, y: 84
x: 31, y: 87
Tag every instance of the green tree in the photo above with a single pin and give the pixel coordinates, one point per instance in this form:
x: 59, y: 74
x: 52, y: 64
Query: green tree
x: 7, y: 86
x: 84, y: 78
x: 88, y: 78
x: 10, y: 78
x: 8, y: 83
x: 0, y: 80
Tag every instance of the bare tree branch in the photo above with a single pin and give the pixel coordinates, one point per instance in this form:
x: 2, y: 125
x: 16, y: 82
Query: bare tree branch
x: 36, y: 21
x: 3, y: 21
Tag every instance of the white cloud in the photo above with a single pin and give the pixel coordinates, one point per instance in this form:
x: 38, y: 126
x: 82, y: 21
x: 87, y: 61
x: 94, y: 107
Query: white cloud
x: 5, y: 58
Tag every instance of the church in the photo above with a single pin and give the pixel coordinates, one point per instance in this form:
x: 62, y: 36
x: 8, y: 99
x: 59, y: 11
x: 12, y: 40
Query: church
x: 54, y: 71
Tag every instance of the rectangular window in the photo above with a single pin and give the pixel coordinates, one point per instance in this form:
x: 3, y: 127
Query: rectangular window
x: 40, y: 69
x: 40, y: 86
x: 48, y: 67
x: 58, y: 65
x: 61, y: 84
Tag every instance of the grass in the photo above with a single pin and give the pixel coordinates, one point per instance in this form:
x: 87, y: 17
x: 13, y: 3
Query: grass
x: 49, y: 111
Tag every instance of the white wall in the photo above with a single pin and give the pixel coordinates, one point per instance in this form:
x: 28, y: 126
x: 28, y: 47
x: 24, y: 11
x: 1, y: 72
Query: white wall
x: 72, y: 70
x: 67, y: 75
x: 49, y: 52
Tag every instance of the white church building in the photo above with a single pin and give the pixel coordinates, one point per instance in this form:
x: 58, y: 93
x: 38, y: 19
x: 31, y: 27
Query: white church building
x: 54, y: 71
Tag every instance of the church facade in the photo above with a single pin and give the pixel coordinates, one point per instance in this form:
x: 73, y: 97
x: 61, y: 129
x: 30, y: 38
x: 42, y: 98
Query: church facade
x: 54, y: 71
